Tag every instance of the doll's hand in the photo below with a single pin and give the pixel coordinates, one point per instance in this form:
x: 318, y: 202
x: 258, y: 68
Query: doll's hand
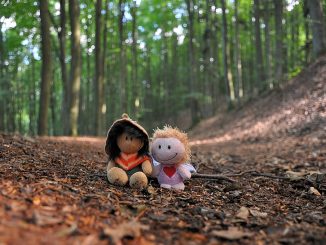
x: 156, y: 168
x: 184, y: 172
x: 147, y: 167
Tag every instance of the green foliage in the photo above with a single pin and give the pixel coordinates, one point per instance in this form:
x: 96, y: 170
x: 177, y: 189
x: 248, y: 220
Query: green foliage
x: 162, y: 59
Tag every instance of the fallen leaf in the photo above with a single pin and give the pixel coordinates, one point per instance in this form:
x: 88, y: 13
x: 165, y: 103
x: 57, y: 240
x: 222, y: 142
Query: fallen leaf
x: 313, y: 190
x: 194, y: 236
x: 45, y: 218
x: 257, y: 213
x: 130, y: 229
x: 296, y: 175
x: 90, y: 239
x: 151, y: 190
x: 37, y: 200
x: 68, y: 231
x: 233, y: 233
x: 243, y: 213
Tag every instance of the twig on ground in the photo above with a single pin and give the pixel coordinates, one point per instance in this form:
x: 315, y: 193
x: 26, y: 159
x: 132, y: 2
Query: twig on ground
x: 211, y: 177
x: 256, y: 173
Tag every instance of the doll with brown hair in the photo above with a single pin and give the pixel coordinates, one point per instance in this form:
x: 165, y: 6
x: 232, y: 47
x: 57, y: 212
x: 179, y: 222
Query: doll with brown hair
x: 171, y: 150
x: 127, y: 146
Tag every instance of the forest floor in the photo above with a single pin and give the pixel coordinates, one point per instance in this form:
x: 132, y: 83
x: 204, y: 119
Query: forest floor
x: 54, y: 190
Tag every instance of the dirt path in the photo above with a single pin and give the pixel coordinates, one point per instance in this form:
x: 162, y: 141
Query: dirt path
x: 55, y: 190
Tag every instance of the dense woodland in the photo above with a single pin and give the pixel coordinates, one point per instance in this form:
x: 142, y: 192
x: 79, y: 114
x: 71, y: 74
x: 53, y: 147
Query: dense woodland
x: 71, y: 67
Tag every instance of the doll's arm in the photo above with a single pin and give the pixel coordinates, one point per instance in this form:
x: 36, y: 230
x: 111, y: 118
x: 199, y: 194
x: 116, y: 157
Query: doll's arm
x: 111, y: 165
x: 184, y: 172
x: 147, y: 167
x: 156, y: 168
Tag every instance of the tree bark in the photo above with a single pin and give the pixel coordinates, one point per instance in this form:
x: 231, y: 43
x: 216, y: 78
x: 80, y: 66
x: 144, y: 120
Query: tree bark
x: 195, y: 112
x: 226, y: 71
x: 123, y: 71
x: 237, y: 55
x: 278, y: 4
x: 65, y: 82
x: 135, y: 82
x: 267, y: 42
x: 32, y: 98
x: 75, y: 65
x: 99, y: 78
x: 317, y: 26
x: 259, y: 52
x: 2, y: 102
x: 46, y: 72
x: 89, y: 108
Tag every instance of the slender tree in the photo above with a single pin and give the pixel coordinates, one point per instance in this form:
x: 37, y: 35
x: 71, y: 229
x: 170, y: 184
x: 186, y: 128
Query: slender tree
x: 75, y: 65
x: 195, y: 113
x: 123, y: 77
x: 278, y: 6
x: 317, y: 26
x: 267, y: 42
x: 46, y: 72
x: 65, y: 115
x: 226, y: 71
x: 258, y: 48
x: 134, y: 76
x: 99, y: 78
x: 2, y: 102
x: 237, y: 54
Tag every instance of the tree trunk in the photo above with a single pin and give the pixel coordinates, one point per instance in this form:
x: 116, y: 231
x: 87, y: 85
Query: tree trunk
x: 195, y: 112
x: 267, y: 43
x: 89, y: 110
x: 317, y: 26
x: 136, y: 89
x: 46, y: 73
x: 65, y: 82
x: 75, y: 65
x: 279, y: 41
x: 237, y: 55
x: 259, y: 52
x: 2, y: 102
x: 99, y: 79
x: 123, y: 71
x: 53, y: 109
x: 225, y: 54
x: 105, y: 66
x: 32, y: 98
x: 207, y: 55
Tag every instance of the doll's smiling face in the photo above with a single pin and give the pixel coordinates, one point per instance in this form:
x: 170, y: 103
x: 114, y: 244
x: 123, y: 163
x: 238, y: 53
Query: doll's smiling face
x: 168, y: 150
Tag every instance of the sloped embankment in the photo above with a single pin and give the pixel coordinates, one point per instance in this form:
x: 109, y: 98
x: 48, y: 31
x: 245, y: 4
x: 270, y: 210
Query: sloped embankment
x: 296, y: 109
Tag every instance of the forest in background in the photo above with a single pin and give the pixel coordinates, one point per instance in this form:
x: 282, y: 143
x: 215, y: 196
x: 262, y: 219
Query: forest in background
x: 71, y: 67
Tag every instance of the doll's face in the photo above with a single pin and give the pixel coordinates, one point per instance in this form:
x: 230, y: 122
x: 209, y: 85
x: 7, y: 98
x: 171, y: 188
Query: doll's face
x: 129, y: 144
x: 168, y: 150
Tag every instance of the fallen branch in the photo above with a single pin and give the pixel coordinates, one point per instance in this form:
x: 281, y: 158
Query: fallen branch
x: 255, y: 173
x: 211, y: 177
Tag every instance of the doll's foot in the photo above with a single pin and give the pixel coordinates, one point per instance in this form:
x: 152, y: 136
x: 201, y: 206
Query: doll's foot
x: 180, y: 186
x: 166, y: 186
x: 117, y: 176
x: 138, y: 180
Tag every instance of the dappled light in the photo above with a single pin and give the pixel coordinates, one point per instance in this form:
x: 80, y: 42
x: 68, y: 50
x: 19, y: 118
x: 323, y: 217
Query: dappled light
x: 162, y: 122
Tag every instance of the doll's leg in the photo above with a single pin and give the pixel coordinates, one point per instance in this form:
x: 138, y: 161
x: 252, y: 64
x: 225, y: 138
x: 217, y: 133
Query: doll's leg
x: 117, y: 176
x: 166, y: 186
x: 180, y: 186
x: 138, y: 180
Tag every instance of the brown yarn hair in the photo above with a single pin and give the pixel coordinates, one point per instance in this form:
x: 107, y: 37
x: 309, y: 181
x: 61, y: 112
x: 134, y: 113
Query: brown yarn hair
x: 170, y: 132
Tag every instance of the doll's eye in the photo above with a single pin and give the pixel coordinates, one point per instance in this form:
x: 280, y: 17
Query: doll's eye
x: 126, y: 137
x: 169, y: 147
x: 159, y: 146
x: 130, y: 138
